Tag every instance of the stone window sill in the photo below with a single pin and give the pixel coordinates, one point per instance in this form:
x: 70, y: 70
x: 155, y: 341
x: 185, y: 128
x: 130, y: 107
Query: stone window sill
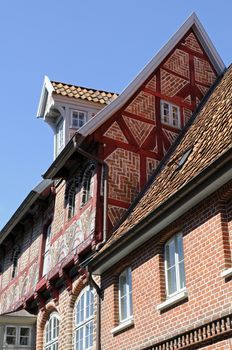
x: 173, y: 300
x: 226, y: 273
x: 122, y: 326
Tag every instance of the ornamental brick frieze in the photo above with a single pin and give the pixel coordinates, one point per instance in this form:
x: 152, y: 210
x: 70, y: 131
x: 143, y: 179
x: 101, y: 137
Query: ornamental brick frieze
x: 198, y: 337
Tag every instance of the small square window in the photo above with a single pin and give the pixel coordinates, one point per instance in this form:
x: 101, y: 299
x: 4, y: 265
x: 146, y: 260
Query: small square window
x: 170, y: 114
x: 78, y: 119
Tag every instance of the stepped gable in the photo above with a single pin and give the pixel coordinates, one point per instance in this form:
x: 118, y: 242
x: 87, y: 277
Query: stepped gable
x: 209, y: 136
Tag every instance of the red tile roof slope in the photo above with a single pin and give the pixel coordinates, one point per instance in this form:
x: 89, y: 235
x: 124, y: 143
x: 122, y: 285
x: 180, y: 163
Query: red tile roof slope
x: 210, y: 136
x: 78, y: 92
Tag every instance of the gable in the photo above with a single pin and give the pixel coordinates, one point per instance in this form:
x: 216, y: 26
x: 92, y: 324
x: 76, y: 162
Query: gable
x: 136, y: 138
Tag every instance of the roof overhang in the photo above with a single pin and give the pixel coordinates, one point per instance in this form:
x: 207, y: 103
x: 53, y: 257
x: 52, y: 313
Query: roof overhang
x: 208, y: 181
x: 18, y: 317
x: 130, y: 90
x: 45, y: 101
x: 23, y: 209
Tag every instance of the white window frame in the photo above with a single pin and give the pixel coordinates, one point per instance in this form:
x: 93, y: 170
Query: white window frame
x: 176, y: 265
x: 46, y: 253
x: 171, y: 107
x: 127, y: 276
x: 86, y: 321
x: 78, y: 126
x: 60, y: 136
x: 17, y: 336
x: 51, y: 344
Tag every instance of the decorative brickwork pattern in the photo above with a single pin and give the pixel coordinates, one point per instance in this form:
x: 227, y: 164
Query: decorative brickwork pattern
x: 152, y: 84
x: 192, y: 43
x: 151, y: 165
x: 143, y: 106
x: 178, y: 63
x: 171, y: 136
x: 203, y: 72
x: 188, y: 99
x: 171, y: 84
x: 115, y: 213
x: 198, y: 336
x: 123, y: 175
x: 187, y: 114
x: 139, y: 129
x: 203, y: 89
x: 115, y: 133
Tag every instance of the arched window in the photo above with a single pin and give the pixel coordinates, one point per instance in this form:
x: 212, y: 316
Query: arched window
x: 87, y: 183
x: 15, y: 260
x: 52, y: 332
x: 83, y: 328
x: 46, y: 253
x: 71, y: 189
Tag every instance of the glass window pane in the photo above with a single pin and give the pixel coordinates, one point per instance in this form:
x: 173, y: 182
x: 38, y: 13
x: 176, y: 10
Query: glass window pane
x: 24, y: 331
x: 123, y: 308
x: 11, y: 331
x: 171, y: 276
x: 182, y: 275
x: 24, y: 341
x: 170, y: 253
x: 122, y: 284
x: 180, y: 247
x: 11, y: 340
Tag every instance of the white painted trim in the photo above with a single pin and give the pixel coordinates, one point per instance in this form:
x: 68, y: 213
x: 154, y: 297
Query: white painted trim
x: 122, y: 326
x: 118, y: 103
x: 173, y: 300
x: 47, y: 85
x: 226, y: 273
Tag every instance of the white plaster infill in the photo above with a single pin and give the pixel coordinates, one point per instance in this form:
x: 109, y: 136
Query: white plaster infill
x: 227, y: 273
x: 122, y: 326
x: 173, y: 300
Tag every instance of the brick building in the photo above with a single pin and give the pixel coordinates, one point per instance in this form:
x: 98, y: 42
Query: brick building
x: 126, y: 243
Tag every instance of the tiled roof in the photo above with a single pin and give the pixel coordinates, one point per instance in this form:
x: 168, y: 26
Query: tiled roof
x: 78, y: 92
x: 210, y: 136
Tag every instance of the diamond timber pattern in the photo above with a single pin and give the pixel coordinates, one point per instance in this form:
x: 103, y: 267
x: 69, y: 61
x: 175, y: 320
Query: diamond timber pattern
x: 139, y: 129
x: 115, y: 133
x: 143, y: 106
x: 178, y: 63
x: 152, y: 84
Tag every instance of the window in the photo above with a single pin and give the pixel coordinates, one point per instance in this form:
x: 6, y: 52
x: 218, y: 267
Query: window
x: 15, y: 261
x: 18, y: 336
x: 46, y: 257
x: 174, y: 265
x: 78, y: 119
x: 83, y: 332
x: 170, y: 114
x: 87, y: 183
x: 125, y: 295
x: 52, y: 332
x: 60, y: 135
x: 71, y: 189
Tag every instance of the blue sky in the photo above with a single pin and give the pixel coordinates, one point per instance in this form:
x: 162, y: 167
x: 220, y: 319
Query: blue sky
x: 99, y: 44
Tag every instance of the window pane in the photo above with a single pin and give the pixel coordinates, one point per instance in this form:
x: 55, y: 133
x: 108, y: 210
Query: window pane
x: 171, y: 276
x: 24, y: 331
x: 10, y: 340
x: 123, y: 308
x: 88, y: 335
x: 24, y: 341
x: 122, y: 284
x: 11, y: 331
x: 170, y: 253
x: 180, y: 247
x: 79, y: 339
x: 182, y: 275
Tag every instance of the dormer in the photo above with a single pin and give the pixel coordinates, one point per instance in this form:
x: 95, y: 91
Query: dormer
x: 66, y: 108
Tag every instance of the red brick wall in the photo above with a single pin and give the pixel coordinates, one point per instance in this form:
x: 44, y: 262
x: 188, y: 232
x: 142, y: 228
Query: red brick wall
x: 209, y: 295
x: 135, y: 136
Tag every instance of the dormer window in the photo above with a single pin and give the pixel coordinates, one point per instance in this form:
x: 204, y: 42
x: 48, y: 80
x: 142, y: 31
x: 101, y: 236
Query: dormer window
x: 170, y: 114
x: 78, y: 119
x: 60, y: 135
